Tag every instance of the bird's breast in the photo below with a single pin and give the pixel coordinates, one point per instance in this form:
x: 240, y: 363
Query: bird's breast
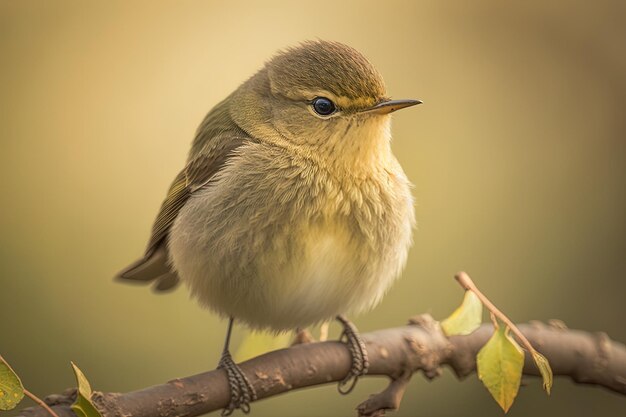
x: 290, y: 246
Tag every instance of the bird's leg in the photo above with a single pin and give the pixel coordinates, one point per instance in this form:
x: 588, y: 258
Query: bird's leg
x: 241, y: 391
x: 360, y: 361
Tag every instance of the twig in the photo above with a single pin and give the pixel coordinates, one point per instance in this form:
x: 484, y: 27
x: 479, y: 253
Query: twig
x: 40, y: 402
x: 389, y: 399
x: 467, y: 283
x: 585, y: 357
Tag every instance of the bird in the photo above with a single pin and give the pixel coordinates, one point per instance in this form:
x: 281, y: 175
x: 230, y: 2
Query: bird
x: 291, y: 209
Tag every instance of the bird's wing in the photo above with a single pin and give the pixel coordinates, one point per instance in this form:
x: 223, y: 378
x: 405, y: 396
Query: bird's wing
x: 197, y: 173
x: 211, y: 157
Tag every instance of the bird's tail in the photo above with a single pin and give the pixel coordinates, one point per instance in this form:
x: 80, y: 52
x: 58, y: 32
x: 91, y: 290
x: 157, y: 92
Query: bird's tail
x: 153, y: 267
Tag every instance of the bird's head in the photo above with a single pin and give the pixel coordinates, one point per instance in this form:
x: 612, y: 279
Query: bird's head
x: 321, y: 96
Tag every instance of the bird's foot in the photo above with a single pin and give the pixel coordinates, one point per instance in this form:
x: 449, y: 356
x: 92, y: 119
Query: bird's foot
x: 360, y: 361
x: 241, y: 390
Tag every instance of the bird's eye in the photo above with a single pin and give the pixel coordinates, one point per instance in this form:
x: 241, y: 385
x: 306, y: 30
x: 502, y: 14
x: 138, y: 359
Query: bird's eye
x: 323, y: 106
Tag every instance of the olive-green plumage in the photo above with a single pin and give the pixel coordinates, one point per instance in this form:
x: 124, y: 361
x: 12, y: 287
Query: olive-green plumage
x: 283, y: 216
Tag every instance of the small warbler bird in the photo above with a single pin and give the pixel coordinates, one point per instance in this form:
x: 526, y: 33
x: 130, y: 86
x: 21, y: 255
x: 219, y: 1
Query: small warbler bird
x: 291, y: 209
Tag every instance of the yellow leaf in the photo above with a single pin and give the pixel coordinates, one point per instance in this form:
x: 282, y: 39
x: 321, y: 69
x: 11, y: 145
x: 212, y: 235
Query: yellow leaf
x: 11, y: 388
x: 257, y: 343
x: 545, y: 370
x: 83, y: 406
x: 466, y: 318
x: 499, y: 364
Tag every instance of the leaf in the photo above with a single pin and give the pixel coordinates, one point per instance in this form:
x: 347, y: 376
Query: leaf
x: 466, y: 318
x: 83, y: 406
x: 257, y: 343
x: 545, y: 370
x: 11, y: 388
x: 499, y: 364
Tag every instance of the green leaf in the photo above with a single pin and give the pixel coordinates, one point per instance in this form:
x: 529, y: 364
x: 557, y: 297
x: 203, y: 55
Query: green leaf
x: 257, y: 343
x: 466, y: 318
x: 499, y: 364
x: 11, y: 388
x: 545, y: 370
x: 83, y: 406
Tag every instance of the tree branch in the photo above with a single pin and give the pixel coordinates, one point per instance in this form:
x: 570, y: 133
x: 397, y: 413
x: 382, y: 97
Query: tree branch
x: 397, y: 353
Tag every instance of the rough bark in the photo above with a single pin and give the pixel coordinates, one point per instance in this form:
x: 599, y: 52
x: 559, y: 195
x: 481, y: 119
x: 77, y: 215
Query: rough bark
x: 397, y: 353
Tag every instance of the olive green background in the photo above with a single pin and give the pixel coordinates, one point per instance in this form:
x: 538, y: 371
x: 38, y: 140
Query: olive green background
x: 518, y: 156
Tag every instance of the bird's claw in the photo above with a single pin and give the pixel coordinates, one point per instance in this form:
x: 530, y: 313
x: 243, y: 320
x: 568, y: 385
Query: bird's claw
x: 358, y: 351
x: 241, y: 390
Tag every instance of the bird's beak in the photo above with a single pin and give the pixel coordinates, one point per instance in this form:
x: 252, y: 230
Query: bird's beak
x: 390, y: 106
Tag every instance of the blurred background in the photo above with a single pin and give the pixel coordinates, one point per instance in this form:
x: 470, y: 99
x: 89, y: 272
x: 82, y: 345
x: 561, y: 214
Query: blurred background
x: 518, y: 158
